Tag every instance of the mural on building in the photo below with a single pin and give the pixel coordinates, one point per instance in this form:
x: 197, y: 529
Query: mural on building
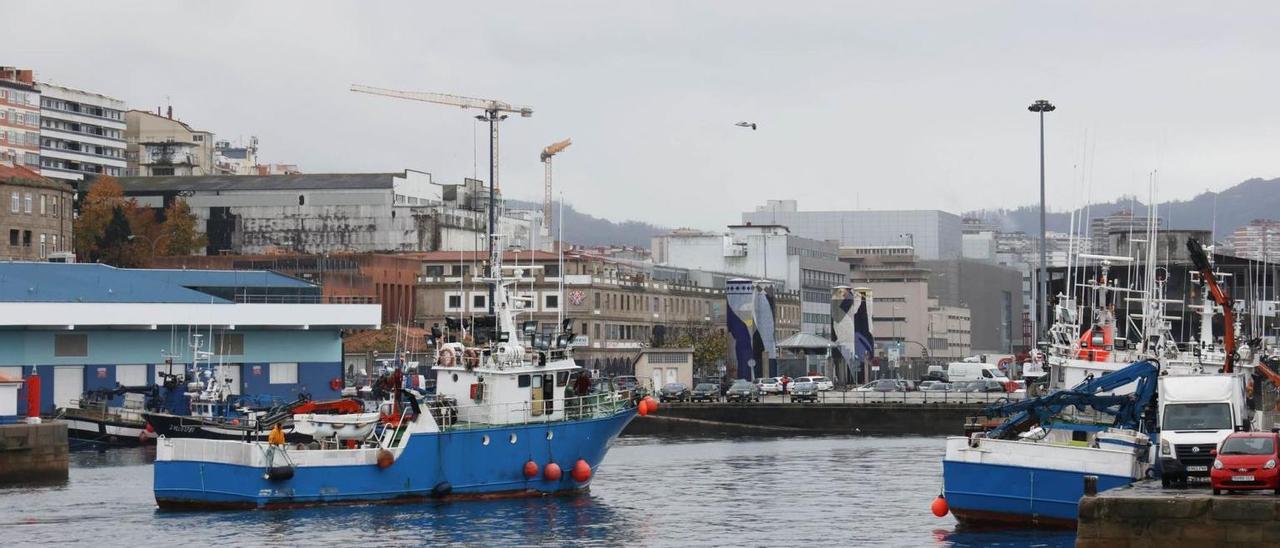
x: 851, y: 330
x: 753, y: 345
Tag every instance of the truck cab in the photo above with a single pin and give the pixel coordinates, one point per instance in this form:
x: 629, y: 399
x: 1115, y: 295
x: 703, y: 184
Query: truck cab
x: 1197, y: 412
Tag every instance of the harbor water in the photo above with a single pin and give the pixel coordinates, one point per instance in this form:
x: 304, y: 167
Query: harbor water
x: 828, y: 491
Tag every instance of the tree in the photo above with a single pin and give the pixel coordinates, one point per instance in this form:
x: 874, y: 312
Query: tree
x: 178, y: 231
x: 96, y: 211
x: 115, y: 245
x: 710, y: 347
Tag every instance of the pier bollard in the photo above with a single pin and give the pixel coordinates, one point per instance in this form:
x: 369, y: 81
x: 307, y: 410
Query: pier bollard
x: 1090, y: 486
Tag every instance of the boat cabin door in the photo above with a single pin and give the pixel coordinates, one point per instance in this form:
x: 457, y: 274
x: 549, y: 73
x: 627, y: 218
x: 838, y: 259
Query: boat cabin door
x: 542, y: 394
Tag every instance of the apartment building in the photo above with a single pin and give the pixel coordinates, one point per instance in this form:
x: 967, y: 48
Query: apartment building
x: 81, y: 133
x: 19, y: 118
x: 1259, y: 240
x: 35, y: 214
x: 158, y: 145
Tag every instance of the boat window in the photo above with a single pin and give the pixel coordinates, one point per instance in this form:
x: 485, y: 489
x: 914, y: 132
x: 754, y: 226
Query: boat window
x: 484, y: 440
x: 513, y: 437
x: 537, y: 381
x: 523, y: 381
x: 562, y: 378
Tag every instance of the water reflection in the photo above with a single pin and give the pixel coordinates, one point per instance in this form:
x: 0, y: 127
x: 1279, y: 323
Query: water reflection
x: 650, y: 492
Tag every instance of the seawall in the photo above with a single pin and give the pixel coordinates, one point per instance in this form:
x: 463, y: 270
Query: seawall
x: 765, y: 419
x: 33, y: 453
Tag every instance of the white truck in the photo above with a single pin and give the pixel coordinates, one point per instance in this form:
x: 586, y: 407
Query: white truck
x: 1197, y: 412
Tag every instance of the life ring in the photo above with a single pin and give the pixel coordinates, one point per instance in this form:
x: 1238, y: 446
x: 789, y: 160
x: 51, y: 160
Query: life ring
x: 445, y: 357
x: 335, y: 384
x: 471, y: 357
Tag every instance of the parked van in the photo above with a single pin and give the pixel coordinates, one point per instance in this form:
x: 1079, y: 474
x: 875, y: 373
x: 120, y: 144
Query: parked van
x: 974, y: 371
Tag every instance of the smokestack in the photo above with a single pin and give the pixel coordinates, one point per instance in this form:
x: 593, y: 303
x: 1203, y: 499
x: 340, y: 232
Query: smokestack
x: 170, y: 112
x: 158, y: 111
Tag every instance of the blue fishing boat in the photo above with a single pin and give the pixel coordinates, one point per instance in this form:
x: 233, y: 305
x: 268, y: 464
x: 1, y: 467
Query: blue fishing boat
x: 1030, y: 469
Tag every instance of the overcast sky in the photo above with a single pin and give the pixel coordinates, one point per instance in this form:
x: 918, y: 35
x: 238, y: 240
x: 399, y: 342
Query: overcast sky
x: 877, y: 105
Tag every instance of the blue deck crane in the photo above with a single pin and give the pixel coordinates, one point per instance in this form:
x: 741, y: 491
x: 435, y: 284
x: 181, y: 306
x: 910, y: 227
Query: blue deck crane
x: 1127, y: 409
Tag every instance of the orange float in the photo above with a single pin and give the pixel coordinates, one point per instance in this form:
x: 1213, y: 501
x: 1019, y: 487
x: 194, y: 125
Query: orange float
x: 530, y: 469
x: 939, y: 506
x: 581, y: 471
x: 552, y: 471
x: 642, y: 408
x: 385, y: 459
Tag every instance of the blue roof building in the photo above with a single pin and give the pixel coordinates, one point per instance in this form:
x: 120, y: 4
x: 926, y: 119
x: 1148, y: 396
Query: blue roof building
x: 88, y: 326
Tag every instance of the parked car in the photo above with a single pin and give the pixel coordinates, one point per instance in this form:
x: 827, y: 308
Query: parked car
x: 769, y: 385
x: 706, y: 391
x: 673, y: 391
x: 804, y: 391
x: 906, y: 385
x: 1246, y: 461
x: 937, y: 387
x: 742, y: 391
x: 985, y: 386
x: 886, y: 385
x: 824, y: 384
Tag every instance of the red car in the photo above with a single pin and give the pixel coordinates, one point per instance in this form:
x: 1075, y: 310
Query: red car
x: 1246, y: 461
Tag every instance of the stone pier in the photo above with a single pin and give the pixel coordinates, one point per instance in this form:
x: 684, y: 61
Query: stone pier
x: 33, y: 453
x: 1144, y: 515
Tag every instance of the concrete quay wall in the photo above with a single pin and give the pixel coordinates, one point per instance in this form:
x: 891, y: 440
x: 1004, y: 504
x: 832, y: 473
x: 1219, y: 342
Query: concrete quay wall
x: 1146, y: 516
x: 33, y: 453
x: 785, y: 418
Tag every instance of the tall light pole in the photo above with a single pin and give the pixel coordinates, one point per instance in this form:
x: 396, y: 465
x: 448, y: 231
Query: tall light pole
x: 1042, y: 106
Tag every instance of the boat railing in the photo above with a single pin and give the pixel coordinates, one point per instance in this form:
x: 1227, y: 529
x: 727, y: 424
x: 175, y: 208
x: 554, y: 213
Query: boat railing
x: 484, y: 415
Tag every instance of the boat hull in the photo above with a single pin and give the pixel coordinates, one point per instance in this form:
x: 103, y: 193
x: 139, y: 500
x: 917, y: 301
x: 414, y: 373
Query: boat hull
x: 107, y: 432
x: 1009, y: 483
x: 473, y: 463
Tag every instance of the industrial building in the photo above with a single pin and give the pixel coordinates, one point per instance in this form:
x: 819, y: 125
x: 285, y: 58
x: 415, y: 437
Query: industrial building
x: 934, y: 234
x: 35, y: 217
x: 81, y: 133
x: 90, y: 326
x: 993, y: 296
x: 19, y: 118
x: 764, y: 252
x: 335, y: 213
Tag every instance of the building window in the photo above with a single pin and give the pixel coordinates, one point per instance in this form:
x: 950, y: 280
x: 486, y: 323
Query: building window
x: 479, y: 302
x: 15, y: 202
x: 13, y: 236
x: 228, y: 344
x: 27, y: 200
x: 455, y: 301
x: 53, y: 205
x: 597, y: 300
x: 283, y: 373
x: 70, y: 346
x: 43, y: 249
x: 550, y: 302
x: 54, y: 246
x: 433, y: 271
x: 44, y: 208
x: 551, y: 271
x: 26, y: 238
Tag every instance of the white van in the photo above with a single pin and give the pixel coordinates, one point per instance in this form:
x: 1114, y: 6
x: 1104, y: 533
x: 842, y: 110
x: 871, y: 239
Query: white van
x: 974, y: 371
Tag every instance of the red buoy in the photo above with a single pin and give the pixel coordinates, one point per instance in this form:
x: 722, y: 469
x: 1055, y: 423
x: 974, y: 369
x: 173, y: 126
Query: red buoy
x: 530, y: 469
x: 939, y: 506
x: 552, y: 471
x: 642, y: 408
x: 653, y: 404
x: 581, y: 471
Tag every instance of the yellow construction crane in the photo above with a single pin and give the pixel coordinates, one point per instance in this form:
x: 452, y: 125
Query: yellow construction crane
x: 547, y: 153
x: 493, y: 113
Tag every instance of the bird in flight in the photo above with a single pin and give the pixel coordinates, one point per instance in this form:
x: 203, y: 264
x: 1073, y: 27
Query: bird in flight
x: 751, y: 125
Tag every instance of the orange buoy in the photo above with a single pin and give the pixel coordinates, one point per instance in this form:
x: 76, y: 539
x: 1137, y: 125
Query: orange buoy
x: 642, y: 408
x: 530, y: 469
x: 939, y: 506
x: 552, y: 471
x: 653, y: 404
x: 385, y: 459
x: 581, y: 471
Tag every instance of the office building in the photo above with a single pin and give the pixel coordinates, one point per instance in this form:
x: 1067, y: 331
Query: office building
x: 934, y: 234
x: 993, y: 295
x: 764, y: 252
x: 1259, y: 240
x: 81, y: 133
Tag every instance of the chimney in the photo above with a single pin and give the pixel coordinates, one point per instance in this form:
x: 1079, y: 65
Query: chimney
x: 170, y: 112
x: 158, y: 112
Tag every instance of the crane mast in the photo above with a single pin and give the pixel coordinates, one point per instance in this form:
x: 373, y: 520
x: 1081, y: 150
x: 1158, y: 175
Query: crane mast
x: 546, y: 155
x: 493, y: 113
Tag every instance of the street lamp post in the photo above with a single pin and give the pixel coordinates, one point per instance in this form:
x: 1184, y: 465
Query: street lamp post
x: 1040, y: 107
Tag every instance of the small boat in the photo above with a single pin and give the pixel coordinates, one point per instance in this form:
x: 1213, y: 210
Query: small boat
x: 95, y: 422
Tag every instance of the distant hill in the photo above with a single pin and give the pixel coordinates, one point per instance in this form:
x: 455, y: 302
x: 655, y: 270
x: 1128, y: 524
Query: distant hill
x: 1236, y: 206
x: 583, y: 229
